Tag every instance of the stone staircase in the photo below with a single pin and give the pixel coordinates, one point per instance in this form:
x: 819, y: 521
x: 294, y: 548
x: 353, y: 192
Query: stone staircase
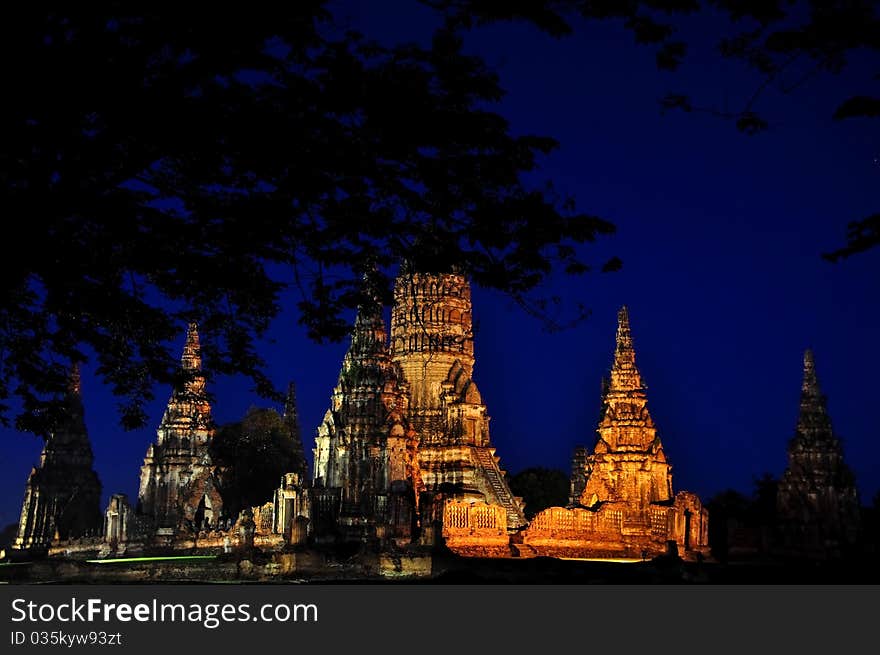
x: 485, y: 458
x: 520, y: 549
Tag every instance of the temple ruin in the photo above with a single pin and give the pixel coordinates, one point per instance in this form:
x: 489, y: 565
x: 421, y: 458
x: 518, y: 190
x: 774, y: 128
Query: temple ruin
x: 63, y: 494
x: 403, y: 460
x: 817, y: 501
x: 622, y: 504
x: 366, y: 479
x: 432, y: 342
x: 177, y: 478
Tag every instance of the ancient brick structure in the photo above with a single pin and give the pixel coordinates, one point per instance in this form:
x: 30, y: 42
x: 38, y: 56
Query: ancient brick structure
x: 63, y: 494
x: 366, y: 473
x: 118, y: 518
x: 407, y: 430
x: 623, y: 503
x: 177, y: 486
x: 291, y: 419
x: 179, y: 505
x: 817, y: 500
x: 292, y: 509
x: 432, y: 341
x: 291, y: 503
x: 627, y: 465
x: 403, y: 457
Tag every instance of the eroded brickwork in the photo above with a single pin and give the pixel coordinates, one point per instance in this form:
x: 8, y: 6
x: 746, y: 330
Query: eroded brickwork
x: 475, y: 529
x: 433, y: 343
x: 366, y: 474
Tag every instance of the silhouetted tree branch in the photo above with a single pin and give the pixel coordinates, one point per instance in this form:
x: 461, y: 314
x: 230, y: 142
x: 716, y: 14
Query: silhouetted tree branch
x: 785, y: 42
x: 251, y: 456
x: 167, y: 164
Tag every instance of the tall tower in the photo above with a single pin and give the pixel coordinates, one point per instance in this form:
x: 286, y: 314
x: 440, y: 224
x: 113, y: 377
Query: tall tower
x: 817, y: 501
x: 626, y: 506
x: 433, y: 343
x: 431, y: 330
x: 366, y: 470
x: 63, y: 494
x: 628, y: 464
x: 177, y: 478
x: 291, y: 421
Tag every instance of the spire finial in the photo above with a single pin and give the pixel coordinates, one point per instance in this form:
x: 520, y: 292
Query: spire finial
x: 624, y: 374
x: 368, y: 336
x: 290, y: 399
x: 624, y: 335
x: 813, y: 417
x: 372, y: 284
x: 188, y: 408
x: 291, y: 418
x: 810, y: 385
x: 74, y: 381
x: 290, y: 409
x: 192, y: 353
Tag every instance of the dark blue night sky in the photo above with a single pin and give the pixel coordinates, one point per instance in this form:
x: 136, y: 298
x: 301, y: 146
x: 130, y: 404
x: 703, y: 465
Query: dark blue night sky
x: 720, y: 234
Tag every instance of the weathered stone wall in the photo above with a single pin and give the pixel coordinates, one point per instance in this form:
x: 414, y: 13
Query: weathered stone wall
x: 612, y: 530
x: 690, y: 527
x: 475, y: 529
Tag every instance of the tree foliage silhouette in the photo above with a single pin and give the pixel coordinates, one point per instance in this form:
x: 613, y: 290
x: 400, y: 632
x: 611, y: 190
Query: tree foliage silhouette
x: 540, y: 488
x: 731, y: 509
x: 785, y: 42
x: 252, y: 455
x: 167, y: 164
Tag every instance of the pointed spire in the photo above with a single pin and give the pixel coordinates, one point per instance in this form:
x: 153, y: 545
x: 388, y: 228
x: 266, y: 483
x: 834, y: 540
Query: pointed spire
x: 192, y: 354
x: 624, y: 374
x: 810, y: 386
x: 188, y: 413
x: 74, y: 381
x: 624, y: 401
x: 368, y: 336
x: 291, y: 418
x: 193, y: 382
x: 291, y: 413
x: 813, y: 419
x: 73, y: 420
x: 817, y: 501
x: 67, y: 443
x: 624, y: 334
